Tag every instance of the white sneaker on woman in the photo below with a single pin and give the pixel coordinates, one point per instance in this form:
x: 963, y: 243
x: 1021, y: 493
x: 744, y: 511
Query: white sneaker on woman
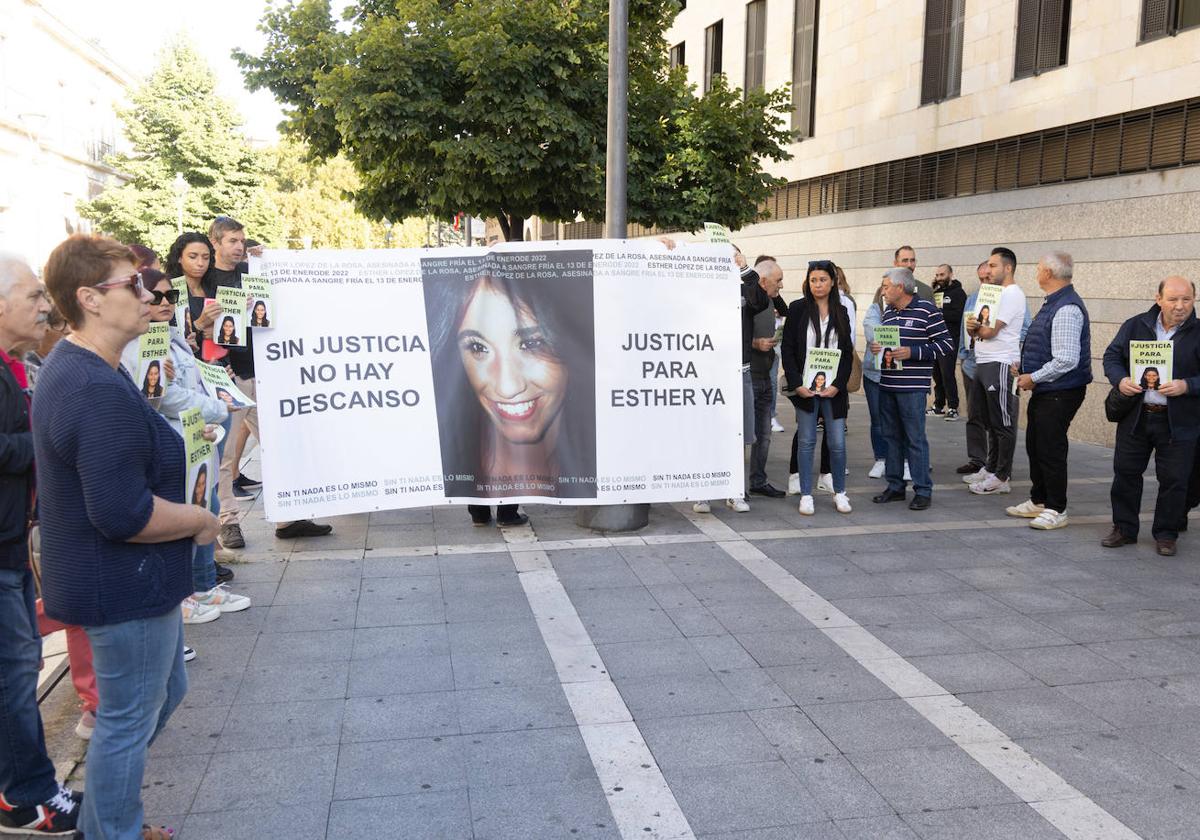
x: 842, y: 502
x: 197, y: 613
x: 976, y: 477
x: 701, y: 507
x: 806, y: 506
x: 221, y: 598
x: 737, y: 505
x: 794, y: 484
x: 878, y: 469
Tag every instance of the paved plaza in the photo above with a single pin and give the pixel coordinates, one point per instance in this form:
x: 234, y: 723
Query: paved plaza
x: 884, y: 675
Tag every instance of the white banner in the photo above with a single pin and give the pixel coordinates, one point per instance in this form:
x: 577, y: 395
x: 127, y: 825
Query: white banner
x: 591, y: 372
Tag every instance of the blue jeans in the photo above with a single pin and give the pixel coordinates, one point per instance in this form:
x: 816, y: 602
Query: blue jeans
x: 806, y: 444
x: 26, y: 773
x: 204, y: 562
x: 761, y: 447
x: 878, y: 441
x: 902, y: 414
x: 141, y: 679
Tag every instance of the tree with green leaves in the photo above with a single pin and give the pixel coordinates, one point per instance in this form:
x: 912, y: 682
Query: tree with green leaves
x: 178, y: 123
x: 498, y: 108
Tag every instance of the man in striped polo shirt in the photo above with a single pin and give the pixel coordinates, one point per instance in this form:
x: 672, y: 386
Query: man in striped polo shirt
x: 902, y: 393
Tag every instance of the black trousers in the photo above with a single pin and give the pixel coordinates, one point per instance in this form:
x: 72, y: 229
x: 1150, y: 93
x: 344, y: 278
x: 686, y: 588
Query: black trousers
x: 976, y: 432
x: 945, y: 386
x: 483, y: 513
x: 994, y: 403
x: 1172, y: 463
x: 1049, y: 418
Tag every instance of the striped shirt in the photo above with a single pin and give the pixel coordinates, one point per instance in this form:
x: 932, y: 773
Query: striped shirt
x: 923, y: 330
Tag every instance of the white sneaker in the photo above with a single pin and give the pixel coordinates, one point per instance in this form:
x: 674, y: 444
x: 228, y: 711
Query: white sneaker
x: 907, y: 474
x: 842, y: 502
x: 1026, y: 509
x: 825, y: 482
x: 794, y: 484
x: 990, y: 485
x: 738, y: 505
x: 976, y: 477
x: 877, y: 470
x: 197, y: 613
x: 776, y: 426
x: 806, y: 506
x: 221, y: 598
x: 1049, y: 520
x: 701, y: 507
x: 188, y: 654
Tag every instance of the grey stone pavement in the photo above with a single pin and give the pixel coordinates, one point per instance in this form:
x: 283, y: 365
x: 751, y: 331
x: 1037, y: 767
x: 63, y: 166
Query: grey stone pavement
x: 885, y: 674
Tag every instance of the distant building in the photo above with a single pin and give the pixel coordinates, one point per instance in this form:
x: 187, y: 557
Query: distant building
x: 58, y: 93
x: 956, y: 125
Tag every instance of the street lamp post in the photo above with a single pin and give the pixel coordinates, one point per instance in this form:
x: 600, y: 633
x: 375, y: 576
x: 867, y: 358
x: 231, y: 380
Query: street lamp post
x: 625, y: 517
x: 180, y: 188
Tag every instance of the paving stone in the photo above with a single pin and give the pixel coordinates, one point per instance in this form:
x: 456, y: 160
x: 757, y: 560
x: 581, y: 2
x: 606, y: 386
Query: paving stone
x: 1030, y: 712
x: 293, y: 618
x: 742, y: 797
x: 279, y: 725
x: 853, y: 585
x: 281, y: 683
x: 399, y: 675
x: 1133, y: 702
x: 1171, y: 815
x: 512, y: 708
x: 170, y: 783
x: 303, y: 648
x: 997, y: 822
x: 789, y: 647
x: 389, y: 613
x: 887, y: 609
x: 933, y: 778
x: 493, y: 636
x: 753, y: 688
x: 301, y: 821
x: 386, y: 642
x: 790, y: 732
x: 832, y: 680
x: 697, y: 622
x: 676, y: 694
x: 267, y: 778
x: 396, y: 768
x: 810, y: 831
x: 1107, y: 762
x: 378, y: 566
x: 302, y: 591
x: 190, y: 731
x: 1009, y: 631
x: 926, y: 638
x: 437, y: 815
x: 1065, y: 665
x: 874, y: 725
x: 986, y: 671
x: 400, y: 716
x: 876, y: 828
x: 722, y: 653
x: 535, y: 756
x: 631, y: 627
x: 706, y: 741
x: 1149, y: 657
x: 652, y: 658
x: 1178, y: 742
x: 553, y: 809
x: 950, y: 606
x: 323, y: 569
x: 840, y: 789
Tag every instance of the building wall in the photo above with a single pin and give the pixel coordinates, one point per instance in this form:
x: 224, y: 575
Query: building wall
x: 869, y: 61
x: 58, y: 93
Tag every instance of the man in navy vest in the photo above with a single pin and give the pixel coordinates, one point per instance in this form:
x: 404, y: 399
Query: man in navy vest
x: 1056, y: 366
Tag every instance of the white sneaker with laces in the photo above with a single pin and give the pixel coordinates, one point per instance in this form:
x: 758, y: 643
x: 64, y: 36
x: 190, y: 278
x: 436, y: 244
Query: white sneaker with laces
x: 842, y: 502
x: 990, y: 485
x: 806, y: 506
x: 1026, y: 509
x: 738, y: 505
x: 188, y: 654
x: 776, y: 426
x: 907, y: 474
x: 825, y: 482
x: 1049, y: 520
x: 197, y: 613
x: 976, y: 477
x: 701, y: 507
x: 794, y: 484
x: 221, y: 598
x: 877, y: 470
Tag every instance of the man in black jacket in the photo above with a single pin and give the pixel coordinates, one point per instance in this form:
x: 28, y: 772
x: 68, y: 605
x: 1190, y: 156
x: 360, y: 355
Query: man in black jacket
x: 1164, y: 422
x: 949, y: 296
x: 31, y: 800
x: 762, y: 359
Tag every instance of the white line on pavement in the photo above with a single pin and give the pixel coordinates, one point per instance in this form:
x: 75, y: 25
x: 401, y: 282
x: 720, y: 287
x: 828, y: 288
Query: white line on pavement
x: 1063, y: 806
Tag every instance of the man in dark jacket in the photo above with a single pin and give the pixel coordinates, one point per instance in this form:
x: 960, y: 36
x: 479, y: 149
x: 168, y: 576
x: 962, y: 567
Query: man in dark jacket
x: 1164, y: 421
x: 30, y: 798
x: 762, y: 359
x: 948, y: 295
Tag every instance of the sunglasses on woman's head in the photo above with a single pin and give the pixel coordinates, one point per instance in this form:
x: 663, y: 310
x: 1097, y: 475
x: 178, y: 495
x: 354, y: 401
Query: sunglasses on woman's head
x: 132, y: 281
x: 171, y: 296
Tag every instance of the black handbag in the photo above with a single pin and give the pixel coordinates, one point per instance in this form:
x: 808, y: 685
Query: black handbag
x: 1117, y: 406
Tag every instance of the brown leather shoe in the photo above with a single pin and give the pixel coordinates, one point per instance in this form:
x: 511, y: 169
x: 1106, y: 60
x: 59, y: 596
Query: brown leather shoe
x: 1165, y: 547
x: 1117, y: 539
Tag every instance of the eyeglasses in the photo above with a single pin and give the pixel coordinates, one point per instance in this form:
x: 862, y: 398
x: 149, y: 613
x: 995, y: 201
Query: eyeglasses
x: 132, y: 281
x: 171, y: 296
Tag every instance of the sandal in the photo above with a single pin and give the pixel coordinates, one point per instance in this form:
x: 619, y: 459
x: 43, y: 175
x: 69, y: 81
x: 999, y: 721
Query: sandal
x: 150, y: 832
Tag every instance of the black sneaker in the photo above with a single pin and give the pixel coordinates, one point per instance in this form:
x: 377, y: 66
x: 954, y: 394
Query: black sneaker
x: 240, y: 492
x: 512, y: 521
x: 303, y: 528
x: 246, y: 482
x: 934, y: 412
x: 57, y: 815
x: 224, y: 573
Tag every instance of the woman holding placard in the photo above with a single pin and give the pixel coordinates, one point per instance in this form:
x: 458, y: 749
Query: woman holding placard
x: 818, y: 330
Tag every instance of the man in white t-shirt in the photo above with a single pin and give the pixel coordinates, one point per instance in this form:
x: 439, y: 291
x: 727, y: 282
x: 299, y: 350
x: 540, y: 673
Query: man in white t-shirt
x: 997, y: 349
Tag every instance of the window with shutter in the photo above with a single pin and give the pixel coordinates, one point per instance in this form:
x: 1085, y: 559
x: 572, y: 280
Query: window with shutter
x: 756, y: 44
x: 1043, y: 32
x: 679, y: 55
x: 941, y: 71
x: 1027, y: 29
x: 804, y: 67
x: 1187, y: 14
x: 714, y: 37
x: 1156, y: 19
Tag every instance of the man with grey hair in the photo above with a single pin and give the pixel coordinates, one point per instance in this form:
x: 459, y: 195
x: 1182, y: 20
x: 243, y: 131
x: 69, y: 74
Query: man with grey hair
x: 762, y: 359
x: 923, y: 338
x: 31, y: 800
x: 1056, y: 367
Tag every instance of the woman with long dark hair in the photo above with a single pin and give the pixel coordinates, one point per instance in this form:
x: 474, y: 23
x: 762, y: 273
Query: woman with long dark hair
x: 515, y: 385
x: 258, y: 316
x: 152, y: 385
x: 228, y: 335
x: 819, y: 320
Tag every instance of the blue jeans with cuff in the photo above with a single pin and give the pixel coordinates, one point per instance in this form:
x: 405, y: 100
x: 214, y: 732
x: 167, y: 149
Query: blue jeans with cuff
x: 806, y: 444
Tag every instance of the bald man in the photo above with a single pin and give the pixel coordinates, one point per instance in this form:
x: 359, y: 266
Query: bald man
x: 1164, y: 421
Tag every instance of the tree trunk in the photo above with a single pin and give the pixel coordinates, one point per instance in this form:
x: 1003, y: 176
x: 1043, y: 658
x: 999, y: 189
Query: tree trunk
x: 513, y: 227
